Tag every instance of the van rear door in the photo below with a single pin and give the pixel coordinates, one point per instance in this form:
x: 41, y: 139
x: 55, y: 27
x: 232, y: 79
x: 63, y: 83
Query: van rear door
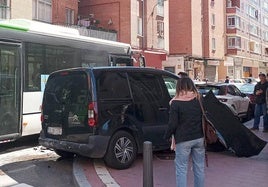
x: 65, y: 106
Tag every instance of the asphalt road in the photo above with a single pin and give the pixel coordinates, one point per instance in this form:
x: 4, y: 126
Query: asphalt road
x: 25, y: 162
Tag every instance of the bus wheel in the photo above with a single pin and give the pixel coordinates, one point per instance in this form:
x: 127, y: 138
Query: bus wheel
x: 64, y: 154
x: 122, y: 151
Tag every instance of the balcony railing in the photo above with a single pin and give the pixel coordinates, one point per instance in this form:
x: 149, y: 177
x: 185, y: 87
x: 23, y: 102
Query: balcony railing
x: 95, y: 32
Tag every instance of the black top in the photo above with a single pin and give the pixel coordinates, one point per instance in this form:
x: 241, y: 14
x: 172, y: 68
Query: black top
x: 260, y: 99
x: 185, y: 121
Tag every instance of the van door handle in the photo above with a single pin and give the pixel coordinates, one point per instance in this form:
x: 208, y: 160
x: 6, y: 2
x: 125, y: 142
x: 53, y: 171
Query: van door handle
x: 162, y: 109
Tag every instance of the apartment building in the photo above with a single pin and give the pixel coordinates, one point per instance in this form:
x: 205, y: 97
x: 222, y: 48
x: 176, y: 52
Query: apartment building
x: 247, y: 37
x: 138, y: 22
x: 49, y: 11
x: 196, y: 38
x: 208, y: 39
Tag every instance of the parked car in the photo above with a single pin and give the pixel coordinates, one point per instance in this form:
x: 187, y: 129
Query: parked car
x: 106, y: 112
x: 248, y: 89
x: 251, y: 80
x: 230, y: 95
x: 237, y: 82
x: 171, y: 86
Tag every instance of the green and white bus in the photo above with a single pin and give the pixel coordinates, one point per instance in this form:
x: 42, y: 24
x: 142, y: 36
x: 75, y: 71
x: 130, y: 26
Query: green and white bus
x: 29, y: 52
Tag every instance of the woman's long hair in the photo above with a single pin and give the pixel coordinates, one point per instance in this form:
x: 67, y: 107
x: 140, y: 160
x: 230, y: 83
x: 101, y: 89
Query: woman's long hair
x: 185, y: 85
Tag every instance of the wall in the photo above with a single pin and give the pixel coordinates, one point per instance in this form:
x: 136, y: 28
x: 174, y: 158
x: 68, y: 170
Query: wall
x: 58, y: 10
x: 197, y: 28
x: 104, y: 10
x: 21, y: 9
x: 180, y: 27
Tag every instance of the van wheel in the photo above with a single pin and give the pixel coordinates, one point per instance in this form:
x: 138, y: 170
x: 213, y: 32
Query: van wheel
x: 122, y: 151
x: 64, y: 154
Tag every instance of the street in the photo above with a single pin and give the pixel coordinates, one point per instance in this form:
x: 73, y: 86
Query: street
x: 24, y: 162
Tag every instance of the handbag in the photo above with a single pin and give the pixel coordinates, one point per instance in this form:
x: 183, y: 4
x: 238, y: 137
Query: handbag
x: 209, y: 131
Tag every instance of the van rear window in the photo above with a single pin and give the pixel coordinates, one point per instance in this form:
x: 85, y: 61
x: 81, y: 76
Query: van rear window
x: 67, y: 89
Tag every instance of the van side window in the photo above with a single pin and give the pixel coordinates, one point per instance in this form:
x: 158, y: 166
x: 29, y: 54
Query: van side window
x: 113, y: 85
x: 147, y: 94
x: 171, y: 85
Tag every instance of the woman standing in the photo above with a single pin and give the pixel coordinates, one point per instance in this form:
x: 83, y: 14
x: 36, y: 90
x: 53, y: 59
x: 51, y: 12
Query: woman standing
x: 185, y: 123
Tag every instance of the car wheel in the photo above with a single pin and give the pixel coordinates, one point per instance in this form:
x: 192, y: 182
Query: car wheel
x: 250, y: 113
x: 64, y: 154
x: 122, y: 151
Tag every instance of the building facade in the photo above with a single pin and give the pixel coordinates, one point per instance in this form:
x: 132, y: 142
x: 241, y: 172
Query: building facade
x: 138, y: 22
x: 49, y: 11
x: 247, y: 37
x: 196, y: 38
x: 208, y: 39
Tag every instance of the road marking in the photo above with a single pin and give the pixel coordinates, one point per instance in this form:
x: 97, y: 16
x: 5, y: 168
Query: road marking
x: 21, y: 169
x: 104, y: 174
x: 6, y: 180
x: 17, y: 156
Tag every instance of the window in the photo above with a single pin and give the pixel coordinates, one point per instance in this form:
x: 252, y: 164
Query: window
x: 265, y: 21
x: 42, y: 10
x: 4, y: 9
x: 234, y: 42
x: 147, y: 94
x: 170, y: 68
x: 233, y: 21
x: 160, y: 29
x: 252, y: 12
x: 44, y: 59
x: 69, y: 16
x: 213, y: 44
x: 265, y: 5
x: 253, y: 29
x: 230, y: 71
x: 160, y: 8
x: 229, y: 3
x: 213, y: 20
x: 265, y: 35
x: 266, y: 50
x: 140, y: 26
x: 113, y: 85
x: 254, y: 47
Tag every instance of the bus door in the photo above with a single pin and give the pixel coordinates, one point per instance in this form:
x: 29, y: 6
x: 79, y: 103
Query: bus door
x: 10, y: 90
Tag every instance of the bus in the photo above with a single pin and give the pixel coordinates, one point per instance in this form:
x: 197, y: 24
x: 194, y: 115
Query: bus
x: 29, y: 52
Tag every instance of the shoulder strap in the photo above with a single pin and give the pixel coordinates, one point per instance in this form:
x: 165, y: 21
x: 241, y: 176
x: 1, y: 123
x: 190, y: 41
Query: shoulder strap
x: 203, y: 127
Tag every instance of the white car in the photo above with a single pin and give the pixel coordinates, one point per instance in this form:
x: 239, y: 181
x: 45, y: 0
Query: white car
x: 230, y: 95
x: 171, y: 86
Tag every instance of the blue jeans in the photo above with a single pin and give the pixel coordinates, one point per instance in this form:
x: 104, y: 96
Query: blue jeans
x: 196, y: 149
x: 260, y: 109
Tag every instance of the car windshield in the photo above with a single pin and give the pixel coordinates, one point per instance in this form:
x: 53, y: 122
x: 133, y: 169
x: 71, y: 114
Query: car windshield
x: 205, y: 89
x: 247, y: 88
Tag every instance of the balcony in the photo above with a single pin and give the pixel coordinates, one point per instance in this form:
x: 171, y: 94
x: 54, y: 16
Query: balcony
x: 95, y: 32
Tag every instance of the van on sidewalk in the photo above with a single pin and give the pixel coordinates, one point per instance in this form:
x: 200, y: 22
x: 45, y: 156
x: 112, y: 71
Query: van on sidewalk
x: 106, y: 112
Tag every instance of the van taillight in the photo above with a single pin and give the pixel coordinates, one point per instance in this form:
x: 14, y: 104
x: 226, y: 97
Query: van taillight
x: 92, y: 115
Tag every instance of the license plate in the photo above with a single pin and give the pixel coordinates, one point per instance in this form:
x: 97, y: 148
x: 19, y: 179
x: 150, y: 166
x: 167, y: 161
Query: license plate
x: 54, y: 130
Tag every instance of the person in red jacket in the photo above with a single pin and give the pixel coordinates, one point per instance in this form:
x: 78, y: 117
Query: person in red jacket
x: 185, y: 123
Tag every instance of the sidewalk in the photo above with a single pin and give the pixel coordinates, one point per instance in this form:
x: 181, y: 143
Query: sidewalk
x: 225, y: 170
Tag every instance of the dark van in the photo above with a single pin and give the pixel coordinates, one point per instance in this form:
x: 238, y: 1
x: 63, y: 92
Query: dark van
x: 106, y: 112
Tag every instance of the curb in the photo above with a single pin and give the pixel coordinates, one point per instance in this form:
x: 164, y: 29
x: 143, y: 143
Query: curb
x: 79, y: 177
